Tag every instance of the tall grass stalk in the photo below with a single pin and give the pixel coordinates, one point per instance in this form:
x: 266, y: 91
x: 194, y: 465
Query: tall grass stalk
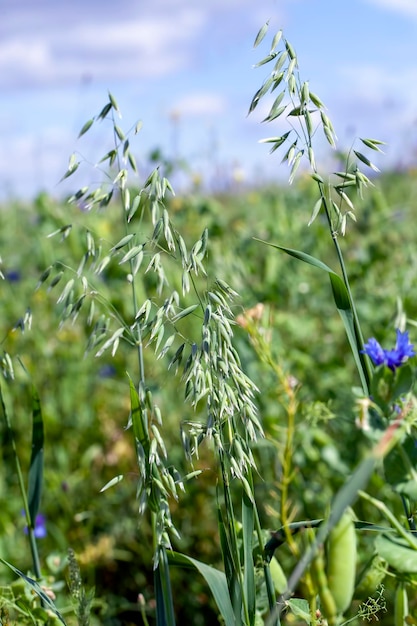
x: 335, y: 199
x: 211, y: 372
x: 306, y: 114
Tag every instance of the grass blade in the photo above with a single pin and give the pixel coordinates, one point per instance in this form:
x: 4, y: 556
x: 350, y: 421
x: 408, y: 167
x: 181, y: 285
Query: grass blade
x: 248, y: 565
x: 342, y: 301
x: 36, y: 460
x: 163, y: 591
x: 46, y: 600
x: 230, y: 569
x: 215, y: 579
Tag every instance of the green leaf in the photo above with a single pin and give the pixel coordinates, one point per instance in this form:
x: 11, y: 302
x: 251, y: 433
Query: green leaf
x: 381, y: 387
x: 215, y: 579
x: 234, y: 591
x: 341, y: 298
x: 397, y: 553
x: 164, y: 601
x: 36, y: 589
x: 300, y: 608
x: 404, y: 381
x: 36, y: 459
x: 400, y: 468
x: 248, y: 565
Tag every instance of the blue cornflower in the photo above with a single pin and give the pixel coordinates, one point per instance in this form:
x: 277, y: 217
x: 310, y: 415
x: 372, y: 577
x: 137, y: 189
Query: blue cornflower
x: 40, y: 526
x: 107, y: 371
x: 391, y: 358
x: 13, y: 276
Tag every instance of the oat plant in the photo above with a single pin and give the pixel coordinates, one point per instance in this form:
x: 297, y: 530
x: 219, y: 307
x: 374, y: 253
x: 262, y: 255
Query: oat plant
x: 389, y: 417
x: 173, y: 311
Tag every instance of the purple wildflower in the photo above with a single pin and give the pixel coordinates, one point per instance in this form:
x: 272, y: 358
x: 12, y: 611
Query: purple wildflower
x: 40, y: 527
x: 107, y: 371
x: 13, y: 276
x: 391, y: 358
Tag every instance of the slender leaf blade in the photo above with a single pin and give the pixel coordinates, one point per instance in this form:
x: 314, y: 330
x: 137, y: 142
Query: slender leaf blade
x: 36, y: 588
x: 164, y: 600
x: 215, y: 579
x: 342, y: 301
x: 248, y: 565
x: 230, y: 569
x: 36, y: 461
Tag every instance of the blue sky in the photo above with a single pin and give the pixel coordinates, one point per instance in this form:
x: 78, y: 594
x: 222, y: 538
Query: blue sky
x: 192, y: 62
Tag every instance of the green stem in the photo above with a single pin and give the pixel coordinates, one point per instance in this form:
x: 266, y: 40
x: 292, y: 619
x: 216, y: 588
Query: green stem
x: 359, y: 336
x: 409, y: 538
x: 31, y: 530
x: 268, y: 580
x: 231, y: 523
x: 165, y: 604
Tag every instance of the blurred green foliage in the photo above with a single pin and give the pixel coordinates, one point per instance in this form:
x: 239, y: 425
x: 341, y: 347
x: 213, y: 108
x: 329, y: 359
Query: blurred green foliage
x: 85, y: 401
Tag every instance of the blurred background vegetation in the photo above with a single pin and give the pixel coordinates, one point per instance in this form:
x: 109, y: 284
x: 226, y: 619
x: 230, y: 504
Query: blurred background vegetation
x: 85, y: 400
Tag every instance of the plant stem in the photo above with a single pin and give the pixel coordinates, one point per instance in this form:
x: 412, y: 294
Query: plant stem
x: 405, y: 534
x: 231, y: 523
x: 359, y: 336
x: 31, y: 530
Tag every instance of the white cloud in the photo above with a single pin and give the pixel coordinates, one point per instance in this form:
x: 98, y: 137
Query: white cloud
x: 44, y: 42
x: 102, y: 47
x: 199, y: 104
x: 405, y: 7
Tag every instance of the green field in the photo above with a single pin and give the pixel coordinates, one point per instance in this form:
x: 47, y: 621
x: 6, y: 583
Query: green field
x: 85, y: 400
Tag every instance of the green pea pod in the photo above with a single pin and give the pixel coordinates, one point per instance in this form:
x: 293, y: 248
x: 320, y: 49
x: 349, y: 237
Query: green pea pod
x: 371, y: 577
x: 341, y: 561
x: 327, y: 603
x: 401, y: 605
